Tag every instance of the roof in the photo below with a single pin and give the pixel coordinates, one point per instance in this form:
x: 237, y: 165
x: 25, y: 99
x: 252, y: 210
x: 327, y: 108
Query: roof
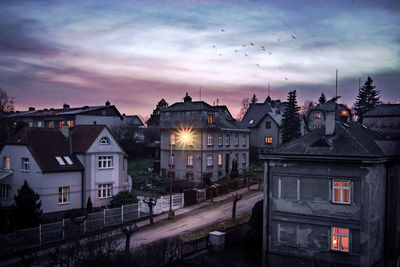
x: 384, y: 110
x: 134, y: 119
x: 189, y: 106
x: 83, y: 136
x: 349, y: 140
x: 258, y: 111
x: 46, y: 144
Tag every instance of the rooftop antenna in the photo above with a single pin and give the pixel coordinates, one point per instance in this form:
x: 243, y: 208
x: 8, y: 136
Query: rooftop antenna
x: 217, y: 101
x: 336, y: 81
x: 269, y: 91
x: 200, y: 93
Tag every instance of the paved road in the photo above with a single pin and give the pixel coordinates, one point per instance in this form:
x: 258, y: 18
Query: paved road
x: 194, y: 220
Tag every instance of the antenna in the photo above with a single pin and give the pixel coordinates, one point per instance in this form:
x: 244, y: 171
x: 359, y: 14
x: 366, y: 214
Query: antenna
x: 217, y: 101
x: 269, y: 91
x: 200, y: 93
x: 336, y: 80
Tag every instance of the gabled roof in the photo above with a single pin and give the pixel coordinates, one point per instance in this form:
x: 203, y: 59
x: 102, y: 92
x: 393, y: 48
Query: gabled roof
x: 189, y: 106
x: 384, y: 110
x: 258, y: 111
x: 134, y: 119
x: 46, y: 144
x: 350, y: 140
x: 83, y: 137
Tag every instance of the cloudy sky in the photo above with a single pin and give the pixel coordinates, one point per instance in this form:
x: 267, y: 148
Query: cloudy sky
x: 134, y: 53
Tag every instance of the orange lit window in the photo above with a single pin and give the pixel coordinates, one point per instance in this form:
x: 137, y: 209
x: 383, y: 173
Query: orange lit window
x: 210, y: 118
x: 219, y: 159
x: 341, y: 191
x: 315, y: 127
x: 190, y: 160
x: 344, y: 113
x: 60, y: 123
x: 340, y: 239
x: 317, y: 115
x: 70, y: 123
x: 268, y: 139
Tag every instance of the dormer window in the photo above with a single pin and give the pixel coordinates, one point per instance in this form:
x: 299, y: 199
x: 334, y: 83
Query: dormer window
x: 317, y: 115
x: 68, y: 160
x: 344, y: 113
x: 105, y: 140
x: 210, y: 118
x: 60, y: 161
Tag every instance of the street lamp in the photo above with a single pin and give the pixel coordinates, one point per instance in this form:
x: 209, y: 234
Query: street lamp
x: 184, y: 137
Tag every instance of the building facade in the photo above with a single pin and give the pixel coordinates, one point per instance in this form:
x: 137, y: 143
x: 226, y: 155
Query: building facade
x: 217, y: 141
x: 316, y: 116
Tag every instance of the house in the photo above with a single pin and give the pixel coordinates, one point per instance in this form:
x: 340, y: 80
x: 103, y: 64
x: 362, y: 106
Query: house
x: 56, y: 117
x: 218, y: 140
x: 132, y: 128
x: 315, y: 117
x: 332, y: 198
x: 384, y: 119
x: 64, y: 166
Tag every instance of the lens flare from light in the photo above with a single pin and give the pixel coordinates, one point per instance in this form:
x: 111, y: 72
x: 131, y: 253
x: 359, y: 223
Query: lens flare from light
x: 185, y: 136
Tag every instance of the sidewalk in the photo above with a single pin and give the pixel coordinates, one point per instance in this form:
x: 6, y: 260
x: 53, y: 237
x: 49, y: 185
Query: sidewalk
x: 184, y: 210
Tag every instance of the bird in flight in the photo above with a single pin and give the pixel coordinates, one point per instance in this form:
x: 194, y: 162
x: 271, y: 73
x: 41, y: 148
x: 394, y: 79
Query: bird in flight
x: 251, y: 44
x: 219, y: 54
x: 269, y: 53
x: 235, y: 51
x: 243, y: 45
x: 262, y: 47
x: 279, y: 39
x: 245, y: 55
x: 222, y: 30
x: 294, y: 37
x: 286, y: 78
x: 213, y: 46
x: 258, y: 65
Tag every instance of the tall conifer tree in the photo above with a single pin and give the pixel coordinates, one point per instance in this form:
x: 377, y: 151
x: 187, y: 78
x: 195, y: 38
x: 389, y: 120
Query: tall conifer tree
x: 291, y: 120
x: 366, y: 99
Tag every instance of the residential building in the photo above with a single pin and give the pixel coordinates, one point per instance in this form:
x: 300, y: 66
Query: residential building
x: 64, y: 166
x: 332, y: 198
x: 218, y: 139
x: 316, y: 116
x: 384, y: 119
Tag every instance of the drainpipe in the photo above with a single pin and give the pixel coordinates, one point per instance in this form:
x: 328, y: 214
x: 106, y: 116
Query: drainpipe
x: 265, y: 213
x: 83, y: 188
x: 385, y: 237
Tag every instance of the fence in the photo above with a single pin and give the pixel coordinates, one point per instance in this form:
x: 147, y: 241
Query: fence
x: 46, y: 234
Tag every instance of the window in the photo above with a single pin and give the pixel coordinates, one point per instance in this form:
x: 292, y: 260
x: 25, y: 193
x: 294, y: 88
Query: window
x: 60, y: 124
x: 104, y: 191
x: 220, y: 141
x: 7, y: 164
x: 317, y: 115
x: 60, y: 161
x: 70, y: 123
x: 30, y: 123
x: 104, y: 141
x: 68, y: 160
x: 172, y: 160
x: 244, y: 140
x: 267, y: 125
x: 236, y: 139
x: 316, y: 127
x: 39, y: 124
x: 51, y: 124
x: 244, y: 158
x: 219, y: 159
x: 63, y: 195
x: 209, y: 160
x: 268, y: 139
x: 190, y: 160
x: 344, y: 113
x: 209, y: 139
x: 340, y: 239
x: 172, y: 138
x: 341, y: 192
x: 227, y: 140
x: 210, y: 118
x: 3, y: 191
x: 25, y: 164
x: 105, y: 162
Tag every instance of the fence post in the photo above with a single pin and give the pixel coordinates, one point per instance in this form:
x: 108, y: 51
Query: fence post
x: 183, y: 199
x: 40, y: 234
x: 122, y: 214
x: 63, y: 229
x: 138, y: 209
x: 104, y: 217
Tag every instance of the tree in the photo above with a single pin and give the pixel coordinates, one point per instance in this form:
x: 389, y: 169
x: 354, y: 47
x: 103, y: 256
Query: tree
x: 243, y: 110
x: 291, y: 121
x: 27, y: 208
x: 151, y: 202
x: 128, y: 231
x: 322, y: 99
x: 123, y: 198
x: 155, y: 116
x: 6, y: 102
x: 308, y: 105
x: 89, y: 205
x: 366, y: 99
x: 234, y: 170
x: 256, y: 219
x: 254, y: 99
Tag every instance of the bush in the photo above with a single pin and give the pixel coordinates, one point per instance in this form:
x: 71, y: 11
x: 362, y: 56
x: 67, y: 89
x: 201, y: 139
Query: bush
x: 123, y: 198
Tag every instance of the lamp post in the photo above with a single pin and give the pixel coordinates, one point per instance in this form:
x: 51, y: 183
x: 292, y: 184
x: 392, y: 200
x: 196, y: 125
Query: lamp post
x: 185, y: 137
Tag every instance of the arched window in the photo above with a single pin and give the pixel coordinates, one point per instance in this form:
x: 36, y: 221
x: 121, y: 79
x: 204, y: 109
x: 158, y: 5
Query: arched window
x: 105, y: 140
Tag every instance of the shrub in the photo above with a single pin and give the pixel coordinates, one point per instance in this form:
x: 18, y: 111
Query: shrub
x: 123, y: 198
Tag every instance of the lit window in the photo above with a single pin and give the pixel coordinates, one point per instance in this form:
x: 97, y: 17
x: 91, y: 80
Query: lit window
x: 70, y: 123
x: 25, y: 164
x: 244, y: 140
x: 68, y: 160
x: 316, y: 127
x: 344, y: 113
x: 244, y: 158
x: 340, y: 239
x: 209, y: 139
x: 104, y: 190
x: 60, y: 161
x: 236, y: 139
x: 51, y: 124
x: 317, y: 115
x: 220, y: 141
x: 30, y: 123
x: 227, y: 140
x: 172, y: 138
x: 60, y: 124
x: 267, y: 125
x: 7, y: 164
x: 63, y: 195
x: 104, y: 140
x: 220, y: 159
x: 209, y: 160
x: 268, y: 139
x: 3, y: 191
x: 341, y: 192
x: 39, y: 124
x: 210, y: 118
x: 190, y: 160
x: 105, y: 162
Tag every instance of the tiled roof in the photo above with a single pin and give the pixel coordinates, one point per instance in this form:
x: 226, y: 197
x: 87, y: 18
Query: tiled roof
x: 45, y: 145
x: 349, y: 140
x: 134, y: 119
x: 258, y: 111
x: 189, y: 106
x: 83, y: 136
x: 384, y: 110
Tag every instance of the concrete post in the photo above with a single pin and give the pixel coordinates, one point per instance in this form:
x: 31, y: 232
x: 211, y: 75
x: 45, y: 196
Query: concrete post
x: 265, y: 217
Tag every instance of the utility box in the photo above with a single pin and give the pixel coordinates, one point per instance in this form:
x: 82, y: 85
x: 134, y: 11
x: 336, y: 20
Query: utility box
x: 217, y: 241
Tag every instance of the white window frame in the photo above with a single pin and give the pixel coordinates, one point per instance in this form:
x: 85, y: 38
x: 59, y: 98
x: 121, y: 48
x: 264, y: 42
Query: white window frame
x: 25, y: 164
x: 104, y: 141
x: 220, y: 160
x: 68, y: 160
x: 244, y: 140
x: 209, y: 160
x: 190, y: 160
x: 236, y: 139
x: 210, y: 139
x: 244, y: 162
x: 340, y: 236
x: 220, y: 140
x: 341, y: 188
x: 4, y: 191
x: 228, y: 141
x: 63, y: 195
x: 104, y: 191
x: 105, y: 162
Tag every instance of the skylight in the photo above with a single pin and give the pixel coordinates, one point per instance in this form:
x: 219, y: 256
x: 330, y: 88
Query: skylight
x: 60, y: 161
x: 68, y: 160
x: 251, y: 122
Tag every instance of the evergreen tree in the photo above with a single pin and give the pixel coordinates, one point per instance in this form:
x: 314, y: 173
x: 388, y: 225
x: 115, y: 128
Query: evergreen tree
x: 253, y: 99
x: 26, y: 211
x: 367, y: 98
x: 155, y: 116
x: 291, y: 120
x: 234, y: 170
x: 322, y: 99
x: 89, y: 206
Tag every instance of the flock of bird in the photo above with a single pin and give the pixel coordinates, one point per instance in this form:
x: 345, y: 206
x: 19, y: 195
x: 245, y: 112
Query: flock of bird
x: 244, y: 49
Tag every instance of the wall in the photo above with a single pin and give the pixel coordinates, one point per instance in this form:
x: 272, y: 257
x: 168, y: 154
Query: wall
x: 259, y: 133
x: 110, y: 121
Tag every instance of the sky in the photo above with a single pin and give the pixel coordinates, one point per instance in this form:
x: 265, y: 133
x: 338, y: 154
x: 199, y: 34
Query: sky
x: 133, y: 53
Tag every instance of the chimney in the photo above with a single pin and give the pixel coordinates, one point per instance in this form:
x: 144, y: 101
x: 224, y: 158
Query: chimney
x: 65, y: 106
x: 329, y: 122
x: 187, y: 98
x: 65, y: 130
x: 31, y: 109
x: 107, y: 103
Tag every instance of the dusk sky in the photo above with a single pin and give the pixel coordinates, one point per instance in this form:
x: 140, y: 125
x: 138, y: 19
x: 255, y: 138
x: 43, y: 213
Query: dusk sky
x: 134, y: 53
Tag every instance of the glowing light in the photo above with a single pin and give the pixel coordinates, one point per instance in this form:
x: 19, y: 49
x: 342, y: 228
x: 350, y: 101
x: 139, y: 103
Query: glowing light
x: 185, y: 136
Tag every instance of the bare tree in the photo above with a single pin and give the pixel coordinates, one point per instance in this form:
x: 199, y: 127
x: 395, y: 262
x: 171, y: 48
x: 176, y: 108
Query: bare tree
x: 308, y: 105
x: 151, y: 202
x: 236, y: 198
x: 6, y: 102
x: 128, y: 231
x: 245, y: 106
